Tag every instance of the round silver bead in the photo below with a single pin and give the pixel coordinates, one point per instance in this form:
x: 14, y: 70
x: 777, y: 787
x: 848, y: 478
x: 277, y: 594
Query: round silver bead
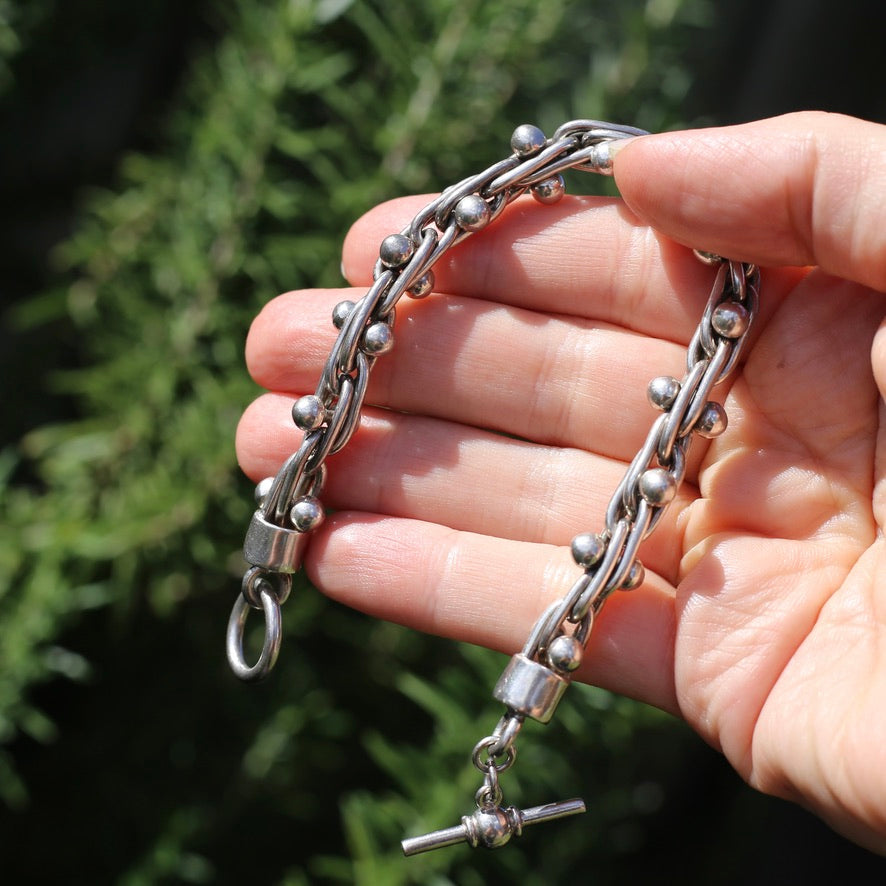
x: 527, y: 140
x: 471, y: 213
x: 730, y: 319
x: 341, y: 312
x: 635, y: 577
x: 307, y: 513
x: 378, y: 339
x: 490, y: 827
x: 587, y: 549
x: 396, y: 250
x: 564, y: 654
x: 712, y: 421
x: 262, y: 488
x: 308, y: 413
x: 657, y: 486
x: 549, y: 191
x: 663, y: 391
x: 423, y: 286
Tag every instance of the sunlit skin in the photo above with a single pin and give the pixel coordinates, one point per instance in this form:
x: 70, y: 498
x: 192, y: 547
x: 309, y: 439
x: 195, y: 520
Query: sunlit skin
x: 515, y: 396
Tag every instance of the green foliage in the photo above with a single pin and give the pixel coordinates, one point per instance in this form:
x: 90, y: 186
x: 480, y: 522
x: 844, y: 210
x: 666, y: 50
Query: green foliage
x: 18, y: 21
x: 127, y: 519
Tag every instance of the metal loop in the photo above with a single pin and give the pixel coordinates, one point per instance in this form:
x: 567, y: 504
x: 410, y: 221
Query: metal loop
x: 359, y: 318
x: 628, y: 488
x: 485, y: 744
x: 271, y: 645
x: 519, y: 174
x: 448, y: 239
x: 599, y: 129
x: 422, y: 220
x: 604, y: 570
x: 629, y: 552
x: 712, y: 374
x: 750, y: 297
x: 585, y: 626
x: 346, y: 419
x: 416, y: 266
x: 257, y: 578
x: 475, y: 184
x: 738, y: 275
x: 584, y: 158
x: 674, y: 418
x: 678, y: 472
x: 546, y: 625
x: 506, y: 731
x: 704, y: 333
x: 489, y: 793
x: 288, y: 479
x: 735, y: 281
x: 329, y: 433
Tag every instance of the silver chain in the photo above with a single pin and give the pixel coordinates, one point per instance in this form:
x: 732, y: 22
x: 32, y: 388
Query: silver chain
x: 289, y: 507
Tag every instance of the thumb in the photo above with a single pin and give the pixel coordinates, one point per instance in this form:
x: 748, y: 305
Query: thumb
x: 802, y: 189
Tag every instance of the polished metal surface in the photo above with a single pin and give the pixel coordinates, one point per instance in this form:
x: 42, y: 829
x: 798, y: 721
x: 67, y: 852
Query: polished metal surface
x: 530, y: 689
x: 289, y: 505
x: 491, y: 827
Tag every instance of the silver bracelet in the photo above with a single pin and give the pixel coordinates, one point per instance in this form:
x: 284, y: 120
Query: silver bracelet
x: 289, y: 507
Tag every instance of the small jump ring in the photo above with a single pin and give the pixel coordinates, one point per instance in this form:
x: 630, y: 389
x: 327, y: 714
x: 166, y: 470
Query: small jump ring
x: 273, y: 634
x: 486, y: 743
x: 257, y: 577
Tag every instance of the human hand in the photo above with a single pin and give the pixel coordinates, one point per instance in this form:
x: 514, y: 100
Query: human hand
x: 515, y: 396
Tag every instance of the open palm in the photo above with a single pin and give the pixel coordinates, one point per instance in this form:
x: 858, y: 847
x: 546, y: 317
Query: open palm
x: 515, y: 397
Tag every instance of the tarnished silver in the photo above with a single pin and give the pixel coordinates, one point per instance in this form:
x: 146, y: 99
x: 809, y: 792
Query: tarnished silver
x: 289, y: 508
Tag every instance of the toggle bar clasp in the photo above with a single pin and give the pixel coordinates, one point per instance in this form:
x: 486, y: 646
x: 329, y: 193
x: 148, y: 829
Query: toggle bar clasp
x: 491, y: 826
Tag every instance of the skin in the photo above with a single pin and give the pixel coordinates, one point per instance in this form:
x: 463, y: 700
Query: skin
x: 516, y: 396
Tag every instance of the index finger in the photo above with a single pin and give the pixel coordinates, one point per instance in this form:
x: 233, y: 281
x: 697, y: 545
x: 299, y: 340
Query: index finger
x: 802, y: 189
x: 588, y: 257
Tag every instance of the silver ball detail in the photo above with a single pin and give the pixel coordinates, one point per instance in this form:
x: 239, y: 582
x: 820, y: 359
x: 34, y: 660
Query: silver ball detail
x: 587, y: 549
x: 564, y: 654
x: 308, y: 413
x: 490, y: 827
x: 663, y: 391
x: 396, y: 250
x: 635, y: 577
x: 378, y: 339
x: 307, y: 513
x: 549, y: 191
x: 712, y: 421
x: 341, y: 312
x: 472, y: 213
x: 263, y: 487
x: 423, y: 286
x: 527, y: 140
x: 657, y: 486
x: 730, y: 319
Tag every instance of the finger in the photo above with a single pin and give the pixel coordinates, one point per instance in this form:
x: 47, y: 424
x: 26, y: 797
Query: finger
x: 460, y: 477
x: 556, y: 380
x: 490, y: 591
x: 585, y: 256
x: 802, y: 189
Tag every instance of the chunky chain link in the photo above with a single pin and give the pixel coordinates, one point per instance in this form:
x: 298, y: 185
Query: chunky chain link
x: 289, y: 507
